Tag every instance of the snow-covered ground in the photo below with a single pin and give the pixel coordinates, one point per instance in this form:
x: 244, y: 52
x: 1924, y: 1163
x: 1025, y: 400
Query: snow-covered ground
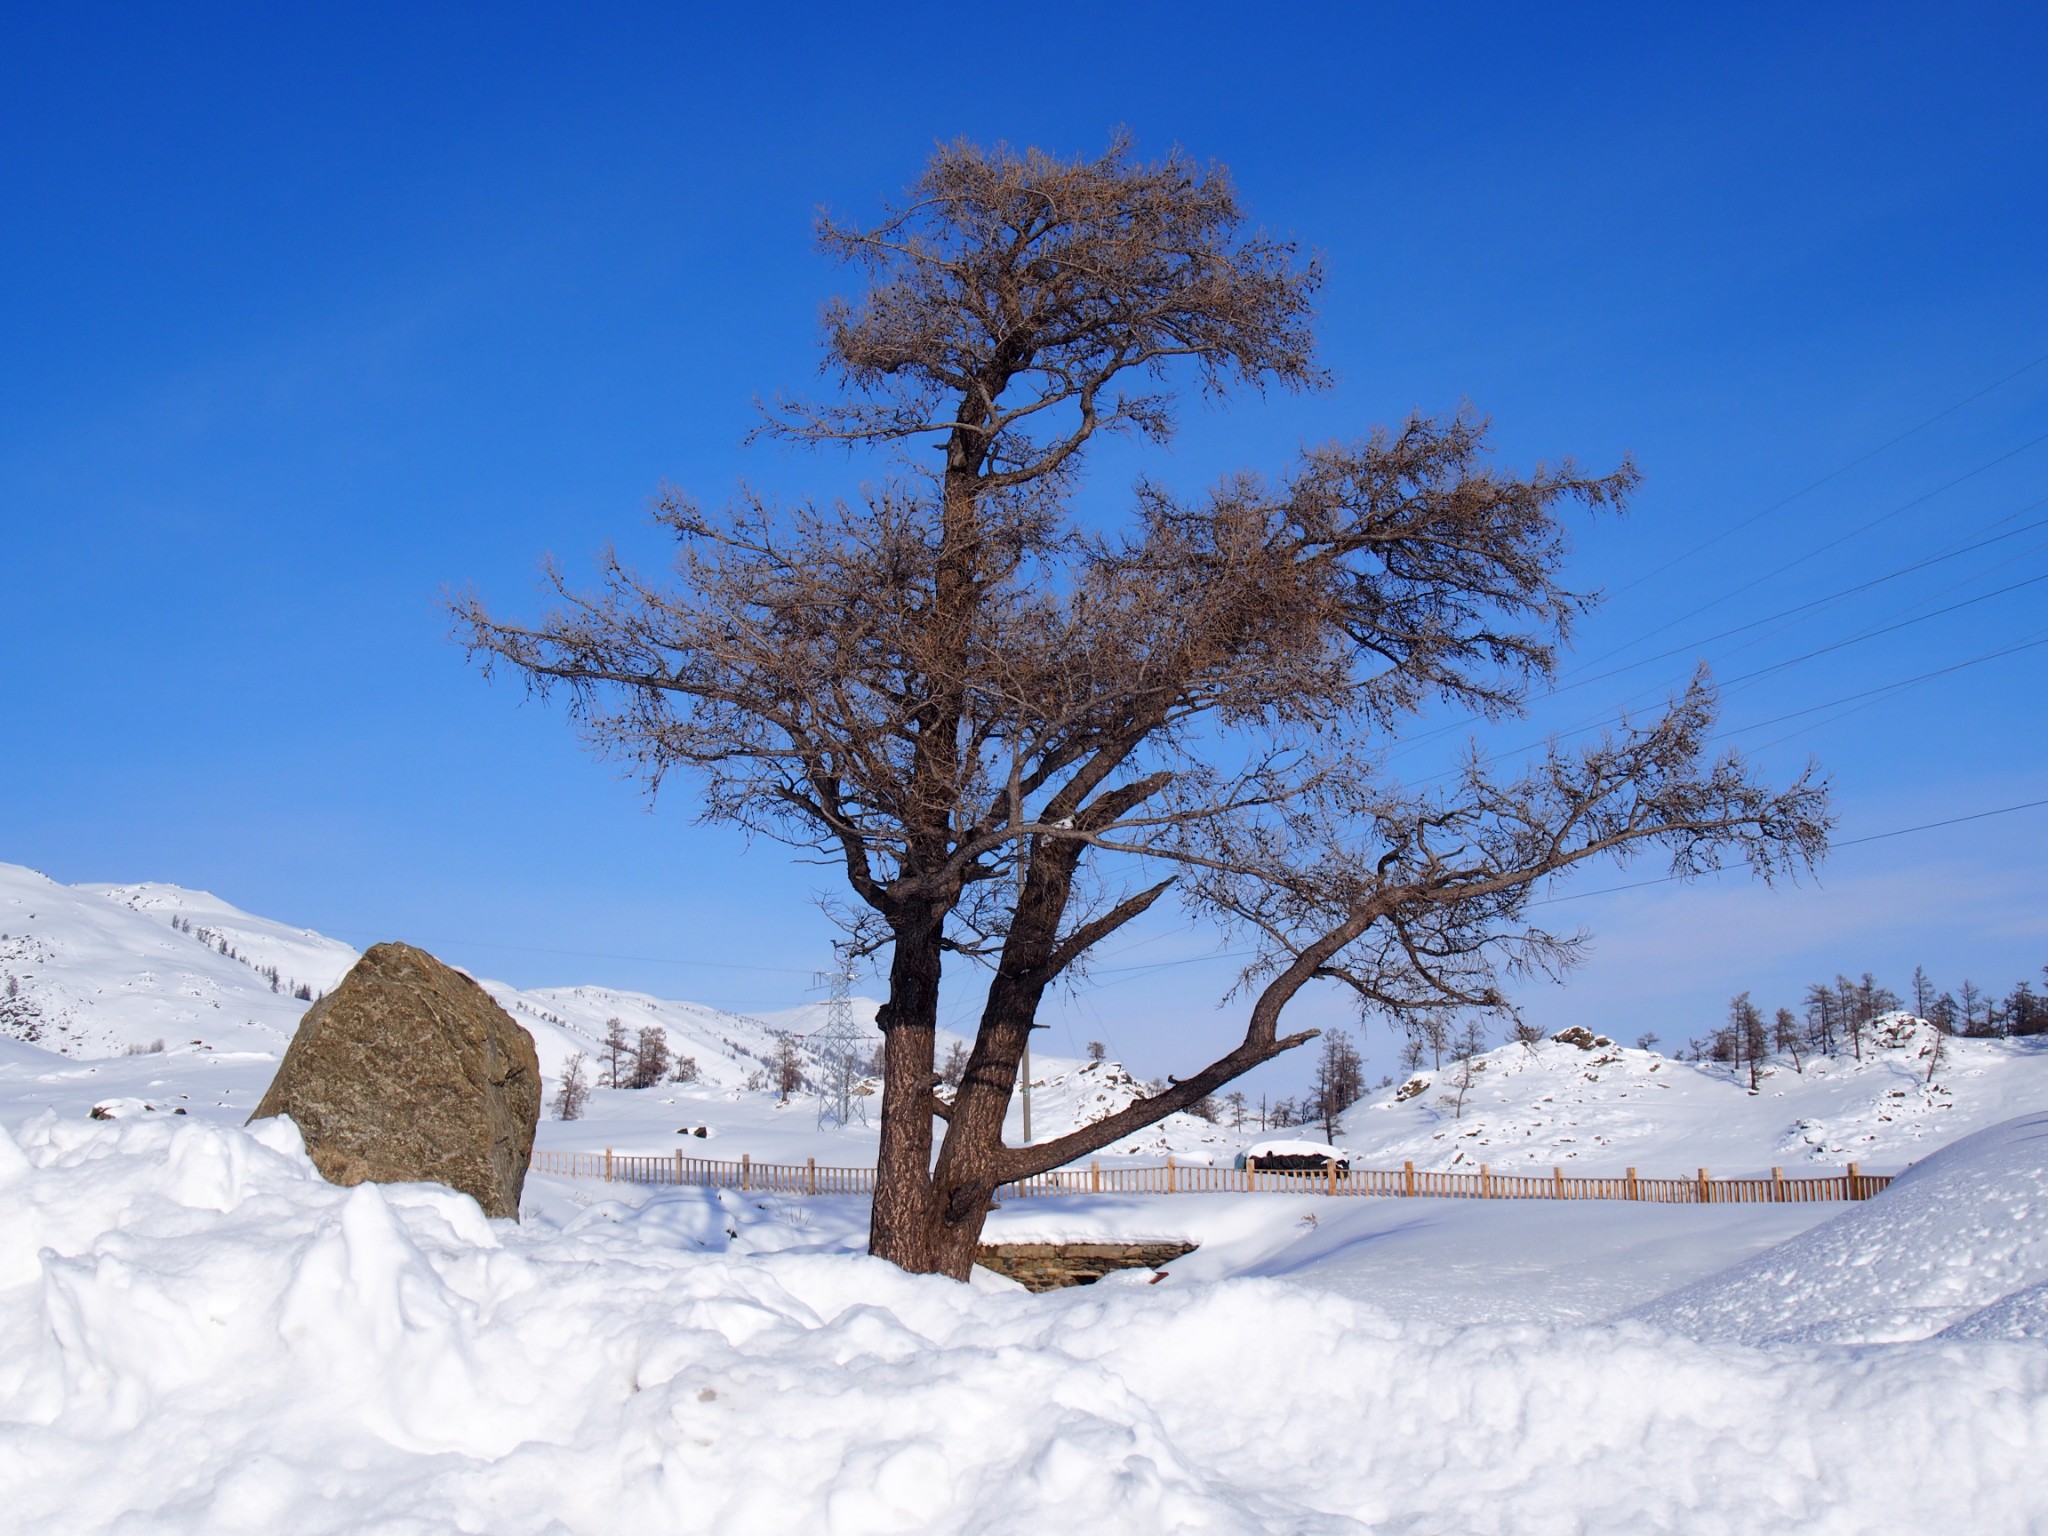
x: 197, y: 1334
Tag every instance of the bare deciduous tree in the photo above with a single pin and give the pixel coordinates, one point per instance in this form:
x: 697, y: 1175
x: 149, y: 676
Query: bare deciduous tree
x: 1339, y: 1080
x: 618, y: 1049
x: 1465, y: 1052
x: 650, y: 1057
x: 1014, y: 736
x: 574, y: 1091
x: 786, y: 1068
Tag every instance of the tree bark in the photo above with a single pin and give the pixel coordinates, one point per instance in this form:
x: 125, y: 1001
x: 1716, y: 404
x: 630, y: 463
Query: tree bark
x: 902, y: 1229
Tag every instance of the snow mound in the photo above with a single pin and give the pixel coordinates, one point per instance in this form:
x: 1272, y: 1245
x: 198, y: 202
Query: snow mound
x: 1956, y: 1235
x: 199, y: 1335
x: 2022, y: 1315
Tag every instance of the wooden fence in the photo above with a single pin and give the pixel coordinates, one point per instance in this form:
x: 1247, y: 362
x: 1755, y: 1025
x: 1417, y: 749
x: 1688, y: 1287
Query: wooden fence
x: 1171, y: 1178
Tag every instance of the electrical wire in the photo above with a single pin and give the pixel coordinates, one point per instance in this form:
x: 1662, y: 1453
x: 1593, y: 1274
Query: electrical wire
x: 1846, y: 842
x: 1819, y: 549
x: 1833, y: 474
x: 1888, y: 690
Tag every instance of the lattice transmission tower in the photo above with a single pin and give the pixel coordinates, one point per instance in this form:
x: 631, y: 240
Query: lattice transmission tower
x: 841, y: 1046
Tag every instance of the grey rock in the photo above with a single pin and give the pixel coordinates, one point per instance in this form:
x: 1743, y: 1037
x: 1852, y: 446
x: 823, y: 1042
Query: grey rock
x: 1054, y: 1266
x: 408, y: 1071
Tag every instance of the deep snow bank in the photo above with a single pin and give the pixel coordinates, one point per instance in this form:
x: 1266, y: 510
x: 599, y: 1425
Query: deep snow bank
x: 1958, y: 1233
x: 196, y: 1334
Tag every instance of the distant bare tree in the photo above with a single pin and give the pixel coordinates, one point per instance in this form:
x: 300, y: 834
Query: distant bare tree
x: 685, y: 1070
x: 618, y: 1049
x: 1823, y: 1020
x: 1972, y: 1002
x: 956, y: 1065
x: 1339, y: 1080
x: 1431, y: 1030
x: 786, y: 1068
x: 574, y: 1091
x: 1525, y: 1034
x: 1465, y: 1053
x: 1014, y: 736
x: 1937, y: 1049
x: 1097, y: 1051
x: 1786, y: 1037
x: 1944, y: 1014
x: 650, y: 1057
x: 1746, y: 1032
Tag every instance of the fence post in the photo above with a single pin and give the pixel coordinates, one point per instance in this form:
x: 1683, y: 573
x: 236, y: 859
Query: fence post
x: 1094, y: 1177
x: 746, y: 1170
x: 679, y: 1169
x: 1333, y: 1176
x: 1633, y: 1192
x: 1704, y: 1195
x: 607, y: 1165
x: 1169, y: 1173
x: 1408, y: 1178
x: 1485, y: 1181
x: 1251, y: 1174
x: 1777, y: 1185
x: 810, y: 1175
x: 1855, y: 1182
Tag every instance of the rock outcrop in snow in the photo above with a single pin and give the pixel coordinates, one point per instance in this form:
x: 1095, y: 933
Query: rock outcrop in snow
x: 408, y: 1072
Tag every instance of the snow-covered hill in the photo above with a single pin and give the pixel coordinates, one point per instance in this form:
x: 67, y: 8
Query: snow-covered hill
x: 1601, y: 1105
x: 95, y: 972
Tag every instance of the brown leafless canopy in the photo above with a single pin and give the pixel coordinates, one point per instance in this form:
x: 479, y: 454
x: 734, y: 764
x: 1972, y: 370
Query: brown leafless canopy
x: 1013, y: 736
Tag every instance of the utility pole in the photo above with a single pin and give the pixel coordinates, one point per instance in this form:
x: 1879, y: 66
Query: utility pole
x: 1017, y: 820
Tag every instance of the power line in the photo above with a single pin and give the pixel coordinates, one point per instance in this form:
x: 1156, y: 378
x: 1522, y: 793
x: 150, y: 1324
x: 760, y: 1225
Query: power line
x: 1636, y: 885
x: 1422, y: 738
x: 593, y: 954
x: 1881, y: 630
x: 1896, y: 686
x: 1599, y: 721
x: 1832, y: 474
x: 1820, y: 549
x: 1847, y: 842
x: 1818, y: 602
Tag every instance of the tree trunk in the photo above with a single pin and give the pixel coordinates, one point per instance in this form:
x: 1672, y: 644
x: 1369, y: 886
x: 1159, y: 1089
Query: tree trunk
x: 901, y: 1227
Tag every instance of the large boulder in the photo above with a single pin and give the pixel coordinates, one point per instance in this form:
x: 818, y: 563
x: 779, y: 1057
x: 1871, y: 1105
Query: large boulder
x: 408, y: 1071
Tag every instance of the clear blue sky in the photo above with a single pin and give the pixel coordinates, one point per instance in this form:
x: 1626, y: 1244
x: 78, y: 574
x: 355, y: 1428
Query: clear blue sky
x: 311, y: 312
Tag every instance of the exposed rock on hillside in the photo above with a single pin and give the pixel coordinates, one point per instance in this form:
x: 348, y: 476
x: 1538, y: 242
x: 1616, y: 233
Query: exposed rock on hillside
x: 1053, y: 1266
x: 408, y: 1071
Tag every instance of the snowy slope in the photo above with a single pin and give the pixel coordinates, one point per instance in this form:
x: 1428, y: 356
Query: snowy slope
x: 101, y: 969
x: 92, y: 976
x: 1957, y: 1234
x: 1610, y: 1107
x: 198, y: 1335
x: 98, y: 970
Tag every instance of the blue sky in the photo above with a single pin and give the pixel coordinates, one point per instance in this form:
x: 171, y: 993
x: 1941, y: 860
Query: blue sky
x: 313, y: 313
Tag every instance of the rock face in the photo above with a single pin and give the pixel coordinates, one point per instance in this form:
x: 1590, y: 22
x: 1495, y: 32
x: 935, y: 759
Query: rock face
x: 1051, y: 1266
x: 408, y: 1071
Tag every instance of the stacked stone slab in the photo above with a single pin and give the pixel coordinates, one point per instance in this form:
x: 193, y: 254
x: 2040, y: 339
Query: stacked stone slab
x: 408, y: 1071
x: 1052, y: 1266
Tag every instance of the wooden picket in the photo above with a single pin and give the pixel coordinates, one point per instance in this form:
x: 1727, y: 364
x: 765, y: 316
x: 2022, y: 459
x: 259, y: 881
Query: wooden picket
x: 1171, y: 1177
